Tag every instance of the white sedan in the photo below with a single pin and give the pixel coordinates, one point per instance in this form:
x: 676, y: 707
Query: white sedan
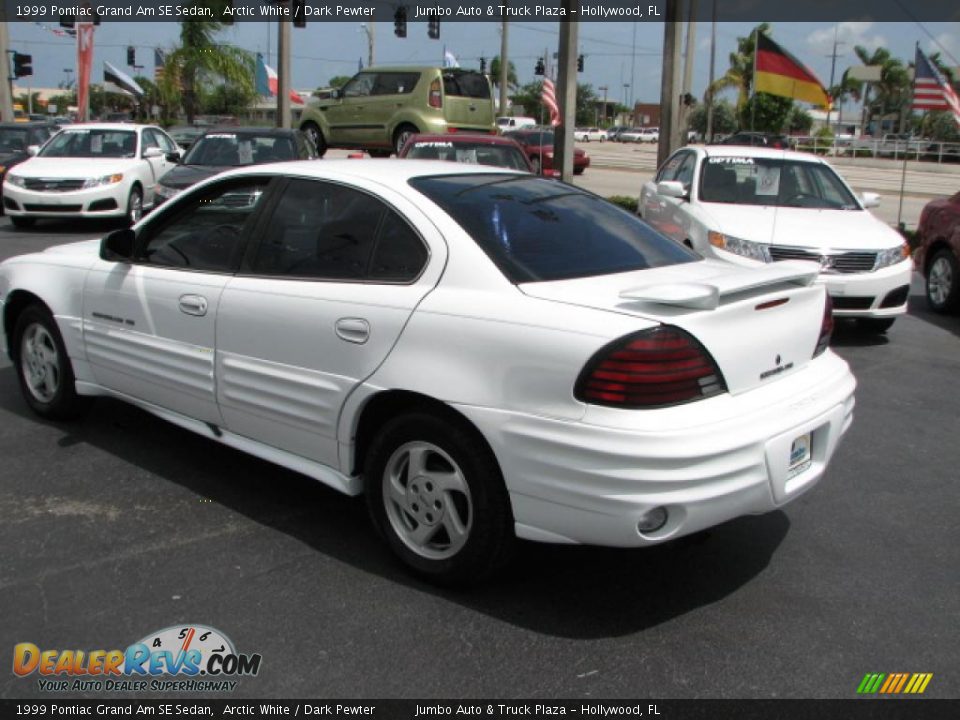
x: 90, y: 170
x: 753, y: 206
x: 485, y: 354
x: 589, y: 134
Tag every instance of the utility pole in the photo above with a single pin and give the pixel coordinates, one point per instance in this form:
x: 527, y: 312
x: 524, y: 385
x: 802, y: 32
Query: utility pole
x: 368, y: 28
x: 504, y: 66
x: 566, y: 93
x: 833, y: 67
x: 688, y: 66
x: 669, y: 89
x: 604, y: 88
x: 283, y: 75
x: 6, y: 90
x: 708, y: 136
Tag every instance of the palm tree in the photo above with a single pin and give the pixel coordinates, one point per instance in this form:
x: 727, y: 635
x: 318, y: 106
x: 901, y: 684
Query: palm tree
x: 890, y: 91
x: 511, y: 73
x: 200, y: 62
x: 848, y: 89
x: 740, y: 74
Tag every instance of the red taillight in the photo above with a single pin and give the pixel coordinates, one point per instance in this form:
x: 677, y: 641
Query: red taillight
x: 826, y: 327
x: 434, y: 97
x: 654, y: 368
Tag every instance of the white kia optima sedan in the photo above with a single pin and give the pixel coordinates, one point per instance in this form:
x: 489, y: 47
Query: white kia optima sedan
x: 90, y: 170
x: 751, y: 205
x: 484, y: 353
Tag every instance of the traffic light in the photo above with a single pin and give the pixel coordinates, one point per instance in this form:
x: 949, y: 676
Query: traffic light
x: 400, y: 22
x: 131, y: 55
x: 483, y: 64
x: 22, y: 64
x: 540, y: 69
x: 580, y: 63
x: 433, y: 27
x: 689, y: 100
x: 67, y: 22
x: 299, y: 13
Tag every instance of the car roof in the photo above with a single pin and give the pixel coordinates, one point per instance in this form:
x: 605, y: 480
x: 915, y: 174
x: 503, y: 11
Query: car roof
x: 385, y: 171
x: 757, y: 152
x: 110, y: 126
x: 30, y: 124
x: 234, y: 130
x: 465, y: 137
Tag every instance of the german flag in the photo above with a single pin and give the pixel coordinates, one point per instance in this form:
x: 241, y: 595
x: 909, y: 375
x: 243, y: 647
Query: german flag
x: 779, y: 73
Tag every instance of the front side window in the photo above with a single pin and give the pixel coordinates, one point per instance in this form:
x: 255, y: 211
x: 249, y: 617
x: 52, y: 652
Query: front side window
x: 326, y: 231
x: 773, y: 182
x: 204, y: 232
x: 360, y: 86
x: 539, y: 230
x: 92, y: 143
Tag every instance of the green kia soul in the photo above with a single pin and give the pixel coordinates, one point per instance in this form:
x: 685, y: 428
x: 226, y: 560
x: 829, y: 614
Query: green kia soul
x: 379, y: 108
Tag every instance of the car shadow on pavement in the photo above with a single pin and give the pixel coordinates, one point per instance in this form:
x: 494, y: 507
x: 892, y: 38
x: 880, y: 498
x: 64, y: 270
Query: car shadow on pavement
x: 917, y: 307
x: 71, y: 225
x: 565, y: 591
x: 849, y: 333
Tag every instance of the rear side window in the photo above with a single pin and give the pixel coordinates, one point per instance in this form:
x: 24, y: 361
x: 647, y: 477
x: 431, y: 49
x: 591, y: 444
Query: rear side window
x: 326, y: 231
x: 388, y: 83
x: 539, y: 230
x: 466, y: 84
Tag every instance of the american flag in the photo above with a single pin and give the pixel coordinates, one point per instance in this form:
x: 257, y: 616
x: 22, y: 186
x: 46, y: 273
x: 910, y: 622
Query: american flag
x: 549, y: 98
x: 931, y: 90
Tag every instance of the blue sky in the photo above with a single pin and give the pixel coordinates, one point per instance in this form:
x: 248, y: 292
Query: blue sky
x: 615, y: 53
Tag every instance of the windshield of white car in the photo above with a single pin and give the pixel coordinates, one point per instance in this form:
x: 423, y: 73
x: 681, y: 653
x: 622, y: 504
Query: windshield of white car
x: 226, y: 149
x: 538, y: 230
x: 773, y: 182
x: 88, y: 143
x: 471, y: 153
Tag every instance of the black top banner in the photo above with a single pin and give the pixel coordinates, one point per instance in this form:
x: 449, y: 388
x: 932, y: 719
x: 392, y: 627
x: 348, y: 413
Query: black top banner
x: 866, y: 709
x: 592, y: 11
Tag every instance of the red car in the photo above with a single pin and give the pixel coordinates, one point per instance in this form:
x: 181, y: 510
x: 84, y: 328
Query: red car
x: 938, y: 256
x: 538, y: 144
x: 466, y: 148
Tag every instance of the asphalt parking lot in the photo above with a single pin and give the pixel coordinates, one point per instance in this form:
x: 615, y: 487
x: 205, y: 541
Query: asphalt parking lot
x: 121, y: 524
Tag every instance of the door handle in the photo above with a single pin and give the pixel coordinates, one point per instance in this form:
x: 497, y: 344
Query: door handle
x: 193, y: 305
x: 355, y: 330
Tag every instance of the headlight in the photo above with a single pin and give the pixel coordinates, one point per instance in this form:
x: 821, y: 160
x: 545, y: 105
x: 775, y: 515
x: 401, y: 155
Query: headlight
x: 167, y: 192
x: 886, y: 258
x: 747, y: 248
x: 105, y: 180
x: 15, y: 180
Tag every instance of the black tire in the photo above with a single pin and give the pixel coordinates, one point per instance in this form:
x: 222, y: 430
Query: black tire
x: 63, y: 402
x: 22, y: 222
x: 400, y: 136
x: 379, y: 153
x: 451, y: 449
x: 134, y: 206
x: 943, y: 282
x: 876, y: 325
x: 312, y: 131
x: 578, y: 171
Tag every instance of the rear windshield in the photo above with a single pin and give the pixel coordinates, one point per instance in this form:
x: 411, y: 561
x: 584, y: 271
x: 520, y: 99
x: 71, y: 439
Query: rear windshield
x: 535, y: 229
x: 226, y: 149
x: 472, y: 153
x: 466, y: 84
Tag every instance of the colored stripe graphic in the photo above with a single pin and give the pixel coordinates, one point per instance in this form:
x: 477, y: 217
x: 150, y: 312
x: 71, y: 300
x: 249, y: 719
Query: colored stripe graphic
x: 894, y: 683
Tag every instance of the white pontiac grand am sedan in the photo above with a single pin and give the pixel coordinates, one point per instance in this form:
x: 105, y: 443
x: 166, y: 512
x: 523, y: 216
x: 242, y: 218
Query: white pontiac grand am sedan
x: 90, y: 170
x: 485, y: 354
x: 751, y: 205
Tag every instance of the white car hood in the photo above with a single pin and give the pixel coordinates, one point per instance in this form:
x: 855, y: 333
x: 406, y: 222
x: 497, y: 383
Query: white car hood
x: 54, y: 167
x: 80, y: 248
x: 802, y: 227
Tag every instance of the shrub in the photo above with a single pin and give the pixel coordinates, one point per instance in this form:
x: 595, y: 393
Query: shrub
x: 625, y: 201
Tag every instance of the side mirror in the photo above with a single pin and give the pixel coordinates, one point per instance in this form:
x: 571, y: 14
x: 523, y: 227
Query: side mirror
x: 32, y: 150
x: 174, y: 156
x: 870, y: 200
x: 118, y: 246
x: 336, y: 94
x: 672, y: 188
x: 152, y: 152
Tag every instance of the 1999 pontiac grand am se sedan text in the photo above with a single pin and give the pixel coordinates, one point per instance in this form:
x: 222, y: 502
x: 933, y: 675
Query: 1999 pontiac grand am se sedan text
x: 485, y: 354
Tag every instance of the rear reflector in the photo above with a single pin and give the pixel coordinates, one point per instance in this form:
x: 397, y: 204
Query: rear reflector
x: 434, y: 98
x: 654, y: 368
x: 826, y: 327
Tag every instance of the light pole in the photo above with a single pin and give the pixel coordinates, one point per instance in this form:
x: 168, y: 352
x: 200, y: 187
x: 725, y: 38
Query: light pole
x: 626, y: 87
x: 369, y: 30
x: 604, y: 88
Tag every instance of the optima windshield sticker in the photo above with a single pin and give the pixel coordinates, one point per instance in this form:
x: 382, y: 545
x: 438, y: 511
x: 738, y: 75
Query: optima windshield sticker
x: 730, y: 161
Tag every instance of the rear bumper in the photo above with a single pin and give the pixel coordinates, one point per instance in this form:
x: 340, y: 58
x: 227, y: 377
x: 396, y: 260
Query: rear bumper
x: 580, y: 482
